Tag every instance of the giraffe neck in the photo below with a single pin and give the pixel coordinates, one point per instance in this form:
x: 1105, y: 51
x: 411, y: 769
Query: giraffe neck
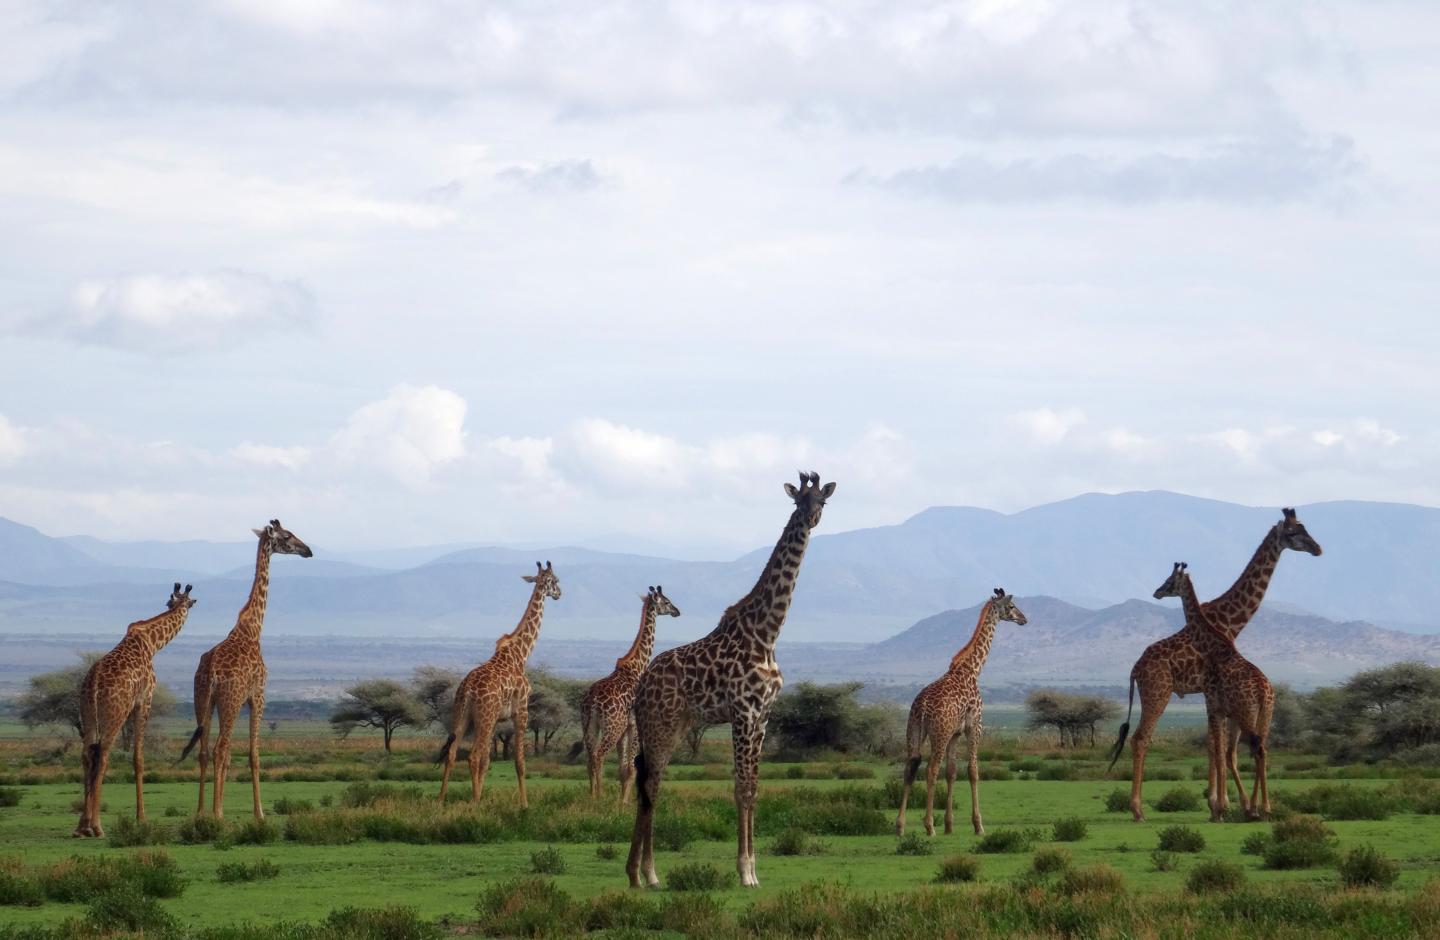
x: 1211, y: 638
x: 972, y: 655
x: 252, y: 615
x: 521, y: 640
x: 154, y: 633
x: 761, y: 613
x: 638, y: 656
x: 1232, y: 610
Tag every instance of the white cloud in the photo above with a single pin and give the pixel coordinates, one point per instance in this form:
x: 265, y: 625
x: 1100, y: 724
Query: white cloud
x: 1047, y: 426
x: 567, y: 176
x: 12, y: 444
x: 163, y: 313
x: 266, y: 455
x: 408, y: 435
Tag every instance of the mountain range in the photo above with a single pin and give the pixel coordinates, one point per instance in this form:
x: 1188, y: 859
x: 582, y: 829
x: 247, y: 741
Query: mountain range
x: 1093, y: 552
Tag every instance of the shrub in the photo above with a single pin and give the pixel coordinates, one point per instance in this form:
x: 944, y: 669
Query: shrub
x: 958, y: 868
x: 126, y: 831
x: 1049, y: 860
x: 1365, y: 867
x: 693, y: 915
x: 1181, y: 839
x: 912, y: 843
x: 606, y: 852
x: 1007, y: 840
x: 255, y: 832
x: 796, y: 841
x: 698, y: 876
x: 795, y: 772
x: 996, y: 772
x: 854, y: 772
x: 1097, y: 879
x: 1163, y: 860
x: 1178, y: 800
x: 1301, y: 829
x: 201, y: 829
x: 1215, y: 876
x: 154, y: 873
x: 1057, y: 772
x: 1299, y: 842
x: 173, y: 812
x: 1255, y: 843
x: 1117, y: 801
x: 528, y: 907
x: 1069, y: 829
x: 259, y: 870
x: 1341, y: 801
x: 615, y: 910
x: 10, y: 796
x: 547, y: 861
x: 125, y: 907
x: 1170, y: 774
x: 19, y: 889
x: 286, y: 806
x: 386, y: 923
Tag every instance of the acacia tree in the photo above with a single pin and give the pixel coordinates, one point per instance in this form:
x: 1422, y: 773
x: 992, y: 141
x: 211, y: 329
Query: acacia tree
x: 53, y: 698
x: 377, y: 703
x: 1072, y: 716
x: 434, y: 688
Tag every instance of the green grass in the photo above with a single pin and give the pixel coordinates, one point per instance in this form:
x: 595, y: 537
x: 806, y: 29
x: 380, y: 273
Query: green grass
x: 444, y: 880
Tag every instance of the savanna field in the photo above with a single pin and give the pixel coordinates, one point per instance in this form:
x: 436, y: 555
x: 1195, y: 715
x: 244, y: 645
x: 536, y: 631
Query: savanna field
x: 355, y: 844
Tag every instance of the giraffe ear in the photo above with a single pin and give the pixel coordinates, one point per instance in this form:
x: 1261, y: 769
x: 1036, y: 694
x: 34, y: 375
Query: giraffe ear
x: 791, y: 491
x: 827, y: 489
x: 528, y: 577
x: 259, y: 532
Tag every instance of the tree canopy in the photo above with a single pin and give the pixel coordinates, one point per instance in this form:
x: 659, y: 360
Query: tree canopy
x: 377, y: 703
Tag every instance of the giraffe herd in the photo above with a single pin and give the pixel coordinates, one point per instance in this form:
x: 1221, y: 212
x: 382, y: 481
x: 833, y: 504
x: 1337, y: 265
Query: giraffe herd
x: 729, y: 676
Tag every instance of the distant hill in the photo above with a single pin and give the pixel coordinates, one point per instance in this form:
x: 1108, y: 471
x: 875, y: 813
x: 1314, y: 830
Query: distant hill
x: 1094, y: 551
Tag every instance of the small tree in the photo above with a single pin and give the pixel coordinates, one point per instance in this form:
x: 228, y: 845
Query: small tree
x: 554, y: 705
x: 1072, y: 716
x: 434, y: 688
x: 377, y: 703
x: 822, y: 717
x: 53, y: 698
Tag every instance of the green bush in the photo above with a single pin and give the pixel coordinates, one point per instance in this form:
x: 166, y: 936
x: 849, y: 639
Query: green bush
x: 198, y: 830
x: 958, y: 868
x: 1365, y: 867
x: 547, y: 861
x: 692, y: 915
x: 1007, y: 840
x: 1342, y: 801
x: 154, y: 873
x: 286, y: 806
x: 126, y: 907
x: 528, y: 907
x: 1171, y: 774
x: 621, y: 911
x: 19, y: 889
x: 1178, y: 800
x: 1117, y: 801
x: 795, y: 841
x: 1162, y: 860
x: 1069, y: 829
x: 173, y: 812
x: 1058, y: 772
x: 1049, y: 860
x: 259, y: 870
x: 854, y: 772
x: 1299, y: 842
x: 913, y: 843
x: 10, y: 796
x: 606, y: 852
x: 1097, y: 879
x: 255, y: 832
x: 698, y: 876
x: 1255, y: 843
x: 1181, y: 839
x: 1215, y: 876
x: 351, y: 923
x: 995, y: 772
x: 795, y: 772
x: 126, y: 831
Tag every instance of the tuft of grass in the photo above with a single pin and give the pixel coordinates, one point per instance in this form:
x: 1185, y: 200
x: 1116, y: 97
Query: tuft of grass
x: 1007, y: 840
x: 1299, y: 842
x: 547, y: 861
x: 258, y: 870
x: 606, y: 852
x: 10, y: 796
x: 1215, y: 876
x: 286, y: 806
x: 1049, y: 860
x: 1181, y: 839
x: 854, y: 772
x: 1162, y: 860
x: 913, y: 843
x: 1255, y: 843
x: 1365, y: 867
x: 255, y: 832
x: 1178, y: 800
x: 795, y: 841
x: 528, y: 907
x: 1117, y: 801
x: 1069, y: 829
x: 957, y: 869
x: 126, y: 831
x: 698, y: 876
x: 198, y: 830
x: 125, y: 907
x: 1096, y: 879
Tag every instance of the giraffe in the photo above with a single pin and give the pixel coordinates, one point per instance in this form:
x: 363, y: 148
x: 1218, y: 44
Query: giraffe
x: 606, y: 712
x: 119, y: 687
x: 945, y: 708
x: 1237, y: 694
x: 496, y: 689
x: 1175, y: 665
x: 729, y: 677
x: 232, y: 673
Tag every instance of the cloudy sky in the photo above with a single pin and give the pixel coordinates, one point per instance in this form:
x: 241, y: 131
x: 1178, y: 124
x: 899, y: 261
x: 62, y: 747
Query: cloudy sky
x: 417, y: 273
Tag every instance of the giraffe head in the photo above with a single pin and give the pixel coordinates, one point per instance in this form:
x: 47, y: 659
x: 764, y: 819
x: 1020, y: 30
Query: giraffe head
x: 544, y: 580
x: 1292, y: 534
x: 179, y: 598
x: 662, y: 604
x: 810, y: 497
x: 282, y: 540
x: 1173, y: 584
x: 1005, y: 608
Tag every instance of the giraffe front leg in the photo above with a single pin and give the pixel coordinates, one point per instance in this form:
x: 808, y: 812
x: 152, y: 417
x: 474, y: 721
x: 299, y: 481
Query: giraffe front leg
x: 747, y: 737
x: 521, y: 716
x: 1152, y: 706
x: 932, y: 775
x: 139, y: 721
x: 973, y: 768
x: 479, y: 761
x: 101, y: 757
x: 626, y: 772
x: 950, y: 772
x: 229, y: 711
x: 257, y: 709
x: 1232, y: 760
x: 1215, y: 749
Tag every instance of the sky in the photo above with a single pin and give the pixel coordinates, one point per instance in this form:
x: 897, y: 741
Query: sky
x: 611, y: 272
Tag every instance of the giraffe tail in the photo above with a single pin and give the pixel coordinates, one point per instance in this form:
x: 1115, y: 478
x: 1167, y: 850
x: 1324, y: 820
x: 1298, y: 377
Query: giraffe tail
x: 575, y: 750
x: 1254, y: 746
x: 190, y: 745
x: 912, y: 767
x: 445, y: 748
x: 93, y: 771
x: 1124, y: 729
x: 642, y: 774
